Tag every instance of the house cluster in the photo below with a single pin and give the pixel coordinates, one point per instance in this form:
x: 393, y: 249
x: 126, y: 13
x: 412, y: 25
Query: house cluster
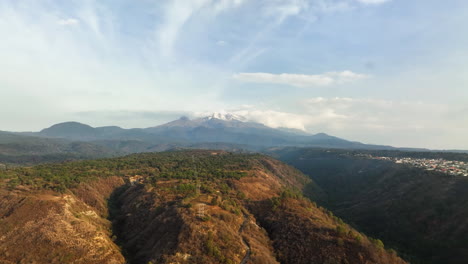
x: 451, y: 167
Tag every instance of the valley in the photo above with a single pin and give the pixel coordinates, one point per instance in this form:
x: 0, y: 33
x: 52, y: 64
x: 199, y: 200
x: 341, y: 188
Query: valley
x: 146, y: 208
x: 173, y: 202
x: 233, y: 132
x: 420, y: 213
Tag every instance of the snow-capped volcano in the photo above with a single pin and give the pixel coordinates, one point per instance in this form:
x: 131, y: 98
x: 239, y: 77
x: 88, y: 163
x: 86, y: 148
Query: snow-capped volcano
x: 217, y: 119
x: 226, y: 117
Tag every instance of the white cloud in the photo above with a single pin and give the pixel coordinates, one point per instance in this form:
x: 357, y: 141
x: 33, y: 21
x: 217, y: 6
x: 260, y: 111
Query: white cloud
x: 271, y: 118
x: 271, y: 13
x: 281, y: 10
x: 221, y: 43
x: 178, y: 12
x: 87, y: 67
x: 369, y: 120
x: 68, y: 22
x: 373, y: 2
x: 301, y: 80
x: 398, y: 123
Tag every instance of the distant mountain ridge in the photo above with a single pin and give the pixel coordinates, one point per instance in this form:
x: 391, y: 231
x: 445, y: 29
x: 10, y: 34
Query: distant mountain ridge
x: 214, y: 128
x: 73, y: 130
x: 73, y: 140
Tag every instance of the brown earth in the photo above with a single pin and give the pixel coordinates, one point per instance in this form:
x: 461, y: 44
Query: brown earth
x: 47, y: 227
x: 259, y: 218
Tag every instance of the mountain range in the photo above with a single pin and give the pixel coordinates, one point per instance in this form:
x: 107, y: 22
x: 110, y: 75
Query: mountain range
x: 215, y: 128
x: 225, y: 128
x: 73, y: 140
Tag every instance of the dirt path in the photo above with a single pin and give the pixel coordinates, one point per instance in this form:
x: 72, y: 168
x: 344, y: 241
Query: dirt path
x: 246, y: 244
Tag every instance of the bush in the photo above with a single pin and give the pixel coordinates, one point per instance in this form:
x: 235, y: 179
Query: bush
x: 186, y: 188
x: 241, y: 195
x: 392, y: 252
x: 377, y: 242
x: 340, y: 242
x: 275, y: 202
x: 212, y: 249
x: 341, y: 230
x: 188, y: 205
x: 205, y: 218
x: 357, y: 237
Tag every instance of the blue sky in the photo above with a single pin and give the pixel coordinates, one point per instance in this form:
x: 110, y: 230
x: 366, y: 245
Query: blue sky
x: 385, y: 72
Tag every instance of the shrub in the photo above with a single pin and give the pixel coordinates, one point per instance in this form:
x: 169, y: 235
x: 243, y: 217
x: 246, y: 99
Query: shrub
x: 214, y: 201
x: 205, y: 218
x: 357, y: 237
x: 340, y: 242
x: 186, y: 188
x: 377, y: 242
x: 241, y: 195
x: 341, y: 230
x: 392, y: 252
x: 212, y: 249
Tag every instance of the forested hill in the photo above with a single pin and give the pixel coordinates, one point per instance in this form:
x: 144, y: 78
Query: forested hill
x: 421, y: 213
x: 28, y: 150
x: 173, y: 207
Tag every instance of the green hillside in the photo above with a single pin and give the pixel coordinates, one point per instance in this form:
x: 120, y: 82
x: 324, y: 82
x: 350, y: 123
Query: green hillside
x: 173, y: 207
x: 421, y: 213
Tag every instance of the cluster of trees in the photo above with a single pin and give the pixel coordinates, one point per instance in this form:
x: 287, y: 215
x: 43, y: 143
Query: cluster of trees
x: 167, y: 165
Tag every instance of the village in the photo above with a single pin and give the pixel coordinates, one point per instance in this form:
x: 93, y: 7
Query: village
x: 454, y: 168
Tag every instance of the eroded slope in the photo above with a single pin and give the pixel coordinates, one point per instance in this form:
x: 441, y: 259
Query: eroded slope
x: 179, y: 207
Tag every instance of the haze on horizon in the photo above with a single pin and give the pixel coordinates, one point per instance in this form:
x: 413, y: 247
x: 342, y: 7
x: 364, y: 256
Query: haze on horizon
x: 390, y: 72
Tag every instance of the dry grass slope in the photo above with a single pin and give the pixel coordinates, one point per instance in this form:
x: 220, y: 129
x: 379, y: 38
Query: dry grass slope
x: 248, y: 209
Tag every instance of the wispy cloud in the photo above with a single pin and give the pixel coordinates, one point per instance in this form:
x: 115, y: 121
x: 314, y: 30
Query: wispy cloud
x: 373, y: 2
x: 178, y: 12
x: 221, y: 43
x: 68, y: 22
x: 281, y: 10
x: 301, y: 80
x: 399, y: 123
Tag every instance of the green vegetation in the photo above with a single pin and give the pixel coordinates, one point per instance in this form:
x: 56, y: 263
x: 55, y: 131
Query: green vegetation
x: 213, y: 251
x: 161, y: 215
x: 30, y: 150
x: 152, y: 166
x: 421, y: 213
x: 377, y: 242
x: 185, y: 188
x: 291, y: 217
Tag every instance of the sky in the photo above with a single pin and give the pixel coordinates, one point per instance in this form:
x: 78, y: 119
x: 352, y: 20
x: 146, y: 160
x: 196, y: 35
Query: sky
x: 391, y: 72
